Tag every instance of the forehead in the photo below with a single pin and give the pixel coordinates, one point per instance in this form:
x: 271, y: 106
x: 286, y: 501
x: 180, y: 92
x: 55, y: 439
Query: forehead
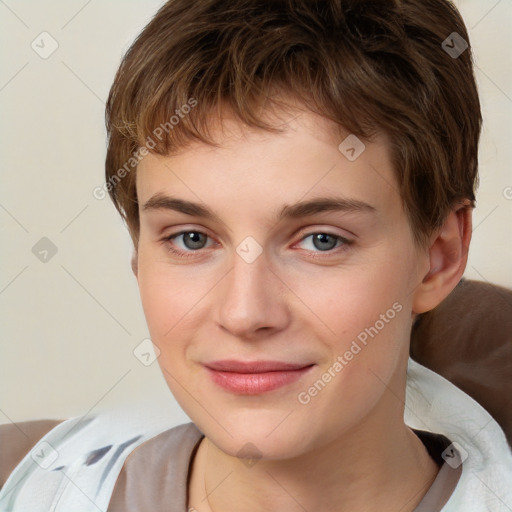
x: 311, y: 157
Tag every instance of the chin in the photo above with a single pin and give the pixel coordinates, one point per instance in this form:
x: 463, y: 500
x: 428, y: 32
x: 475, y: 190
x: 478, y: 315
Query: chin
x: 259, y: 435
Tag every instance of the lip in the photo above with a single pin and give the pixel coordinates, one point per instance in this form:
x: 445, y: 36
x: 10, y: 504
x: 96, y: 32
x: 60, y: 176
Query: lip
x: 254, y: 377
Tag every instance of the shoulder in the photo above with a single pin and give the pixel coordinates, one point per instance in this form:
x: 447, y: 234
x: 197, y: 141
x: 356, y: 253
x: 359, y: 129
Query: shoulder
x: 437, y: 405
x: 90, y: 449
x: 17, y: 439
x: 171, y: 448
x: 466, y: 339
x: 155, y: 473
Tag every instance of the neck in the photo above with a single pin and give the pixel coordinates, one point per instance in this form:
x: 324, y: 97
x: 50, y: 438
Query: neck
x: 375, y: 467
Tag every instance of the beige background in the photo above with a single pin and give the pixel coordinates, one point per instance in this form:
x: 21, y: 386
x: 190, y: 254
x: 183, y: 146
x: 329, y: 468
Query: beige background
x: 70, y: 325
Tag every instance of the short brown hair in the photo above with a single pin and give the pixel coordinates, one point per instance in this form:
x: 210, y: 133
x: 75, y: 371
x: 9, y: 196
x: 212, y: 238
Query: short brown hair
x: 371, y: 66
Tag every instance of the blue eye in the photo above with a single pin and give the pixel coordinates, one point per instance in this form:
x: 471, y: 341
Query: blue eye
x: 325, y: 242
x: 193, y: 241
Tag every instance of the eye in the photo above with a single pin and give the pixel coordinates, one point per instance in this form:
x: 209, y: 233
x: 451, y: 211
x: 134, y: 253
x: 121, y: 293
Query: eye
x: 192, y: 241
x: 326, y: 242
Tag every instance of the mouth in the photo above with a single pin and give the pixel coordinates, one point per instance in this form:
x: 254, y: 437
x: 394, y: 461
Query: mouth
x: 255, y: 377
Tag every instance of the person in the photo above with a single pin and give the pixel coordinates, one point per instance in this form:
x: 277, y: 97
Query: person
x: 298, y: 179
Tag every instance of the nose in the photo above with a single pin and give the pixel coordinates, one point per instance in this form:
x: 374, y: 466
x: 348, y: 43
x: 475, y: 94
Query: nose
x: 252, y: 300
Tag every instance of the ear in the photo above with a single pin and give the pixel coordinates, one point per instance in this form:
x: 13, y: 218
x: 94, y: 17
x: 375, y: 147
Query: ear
x: 448, y: 258
x: 135, y: 263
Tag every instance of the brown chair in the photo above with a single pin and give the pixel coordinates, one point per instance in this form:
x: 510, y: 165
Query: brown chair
x: 468, y: 340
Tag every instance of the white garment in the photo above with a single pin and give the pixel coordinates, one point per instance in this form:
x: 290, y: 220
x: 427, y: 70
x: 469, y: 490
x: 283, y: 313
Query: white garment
x: 432, y: 403
x: 435, y: 404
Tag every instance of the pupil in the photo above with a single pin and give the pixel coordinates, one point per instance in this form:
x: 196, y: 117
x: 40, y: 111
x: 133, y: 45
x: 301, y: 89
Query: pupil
x: 322, y: 238
x: 193, y: 238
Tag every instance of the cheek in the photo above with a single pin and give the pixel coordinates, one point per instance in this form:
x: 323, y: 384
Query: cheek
x: 177, y: 301
x: 363, y: 328
x: 360, y: 314
x: 345, y: 301
x: 167, y: 298
x: 171, y: 300
x: 168, y: 301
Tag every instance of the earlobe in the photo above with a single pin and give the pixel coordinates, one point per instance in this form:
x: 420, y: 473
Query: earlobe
x: 448, y: 258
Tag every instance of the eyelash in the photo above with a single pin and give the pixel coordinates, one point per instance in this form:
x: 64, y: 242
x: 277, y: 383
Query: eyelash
x: 316, y: 254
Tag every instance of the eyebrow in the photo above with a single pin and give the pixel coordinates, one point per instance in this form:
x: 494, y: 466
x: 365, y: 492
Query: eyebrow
x: 295, y: 211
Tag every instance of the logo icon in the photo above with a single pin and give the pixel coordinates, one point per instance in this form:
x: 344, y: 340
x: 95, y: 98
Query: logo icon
x: 249, y: 455
x: 44, y: 250
x: 351, y: 148
x: 44, y: 45
x: 146, y: 352
x: 44, y: 454
x: 454, y: 455
x: 249, y: 250
x: 455, y: 45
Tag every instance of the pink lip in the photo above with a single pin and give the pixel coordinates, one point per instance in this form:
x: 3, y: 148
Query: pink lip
x: 253, y: 378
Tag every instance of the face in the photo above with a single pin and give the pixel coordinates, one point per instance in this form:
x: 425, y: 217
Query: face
x: 322, y: 295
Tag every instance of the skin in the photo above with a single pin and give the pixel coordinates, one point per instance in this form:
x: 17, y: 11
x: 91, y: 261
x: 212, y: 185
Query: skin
x: 348, y: 448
